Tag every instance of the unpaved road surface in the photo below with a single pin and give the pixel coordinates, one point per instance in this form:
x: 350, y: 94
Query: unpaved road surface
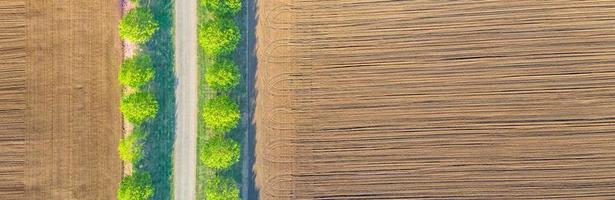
x: 186, y: 94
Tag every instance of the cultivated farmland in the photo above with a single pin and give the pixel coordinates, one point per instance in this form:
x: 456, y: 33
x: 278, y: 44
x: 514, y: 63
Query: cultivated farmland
x: 59, y: 99
x: 366, y: 99
x: 12, y: 99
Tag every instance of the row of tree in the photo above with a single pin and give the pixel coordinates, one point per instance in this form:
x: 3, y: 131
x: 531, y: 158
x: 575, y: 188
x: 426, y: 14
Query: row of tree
x: 218, y: 37
x: 138, y: 104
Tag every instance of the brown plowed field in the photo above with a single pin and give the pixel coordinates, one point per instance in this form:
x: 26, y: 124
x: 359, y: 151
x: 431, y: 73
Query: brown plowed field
x: 59, y: 117
x: 12, y: 99
x: 369, y: 99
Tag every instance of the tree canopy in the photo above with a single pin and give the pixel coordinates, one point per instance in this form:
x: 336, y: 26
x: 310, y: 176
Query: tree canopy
x: 136, y: 71
x: 220, y: 153
x: 130, y: 147
x: 219, y: 37
x: 138, y: 25
x: 222, y: 7
x: 221, y: 188
x: 138, y: 107
x: 221, y: 114
x: 137, y: 186
x: 222, y: 75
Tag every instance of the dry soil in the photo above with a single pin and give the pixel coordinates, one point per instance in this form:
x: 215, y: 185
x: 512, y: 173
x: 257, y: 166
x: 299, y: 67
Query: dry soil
x: 59, y: 97
x: 370, y: 99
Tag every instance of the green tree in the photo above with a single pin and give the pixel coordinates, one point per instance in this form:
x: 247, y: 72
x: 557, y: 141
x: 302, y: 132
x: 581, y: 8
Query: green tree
x: 137, y: 186
x: 219, y: 153
x: 219, y: 37
x: 221, y: 114
x: 223, y: 7
x: 233, y: 5
x: 138, y: 107
x: 131, y: 148
x: 222, y: 75
x: 138, y: 25
x: 136, y: 71
x: 221, y: 188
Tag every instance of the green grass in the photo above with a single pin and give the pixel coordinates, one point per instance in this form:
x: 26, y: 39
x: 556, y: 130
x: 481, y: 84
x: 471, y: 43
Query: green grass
x: 204, y: 93
x: 158, y: 148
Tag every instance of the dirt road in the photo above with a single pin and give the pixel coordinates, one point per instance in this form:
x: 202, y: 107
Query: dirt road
x: 186, y: 94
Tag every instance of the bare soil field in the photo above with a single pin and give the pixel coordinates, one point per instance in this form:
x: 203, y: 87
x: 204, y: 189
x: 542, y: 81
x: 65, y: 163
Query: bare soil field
x: 59, y: 96
x: 12, y: 99
x: 367, y: 99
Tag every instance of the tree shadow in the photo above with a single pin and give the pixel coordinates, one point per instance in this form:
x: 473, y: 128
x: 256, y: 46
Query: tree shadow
x: 158, y: 155
x: 245, y: 93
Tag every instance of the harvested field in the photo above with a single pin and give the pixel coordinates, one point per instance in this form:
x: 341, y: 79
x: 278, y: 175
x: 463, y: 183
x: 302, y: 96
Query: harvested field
x: 12, y: 99
x: 59, y: 96
x: 366, y: 99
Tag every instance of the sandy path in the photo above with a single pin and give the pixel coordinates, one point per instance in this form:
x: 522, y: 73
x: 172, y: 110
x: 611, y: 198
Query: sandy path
x: 186, y: 94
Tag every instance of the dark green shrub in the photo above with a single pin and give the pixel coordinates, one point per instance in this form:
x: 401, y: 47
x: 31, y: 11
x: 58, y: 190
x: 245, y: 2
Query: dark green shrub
x: 137, y: 186
x: 222, y: 75
x: 138, y: 25
x: 221, y: 114
x: 219, y: 37
x: 138, y: 107
x: 136, y: 71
